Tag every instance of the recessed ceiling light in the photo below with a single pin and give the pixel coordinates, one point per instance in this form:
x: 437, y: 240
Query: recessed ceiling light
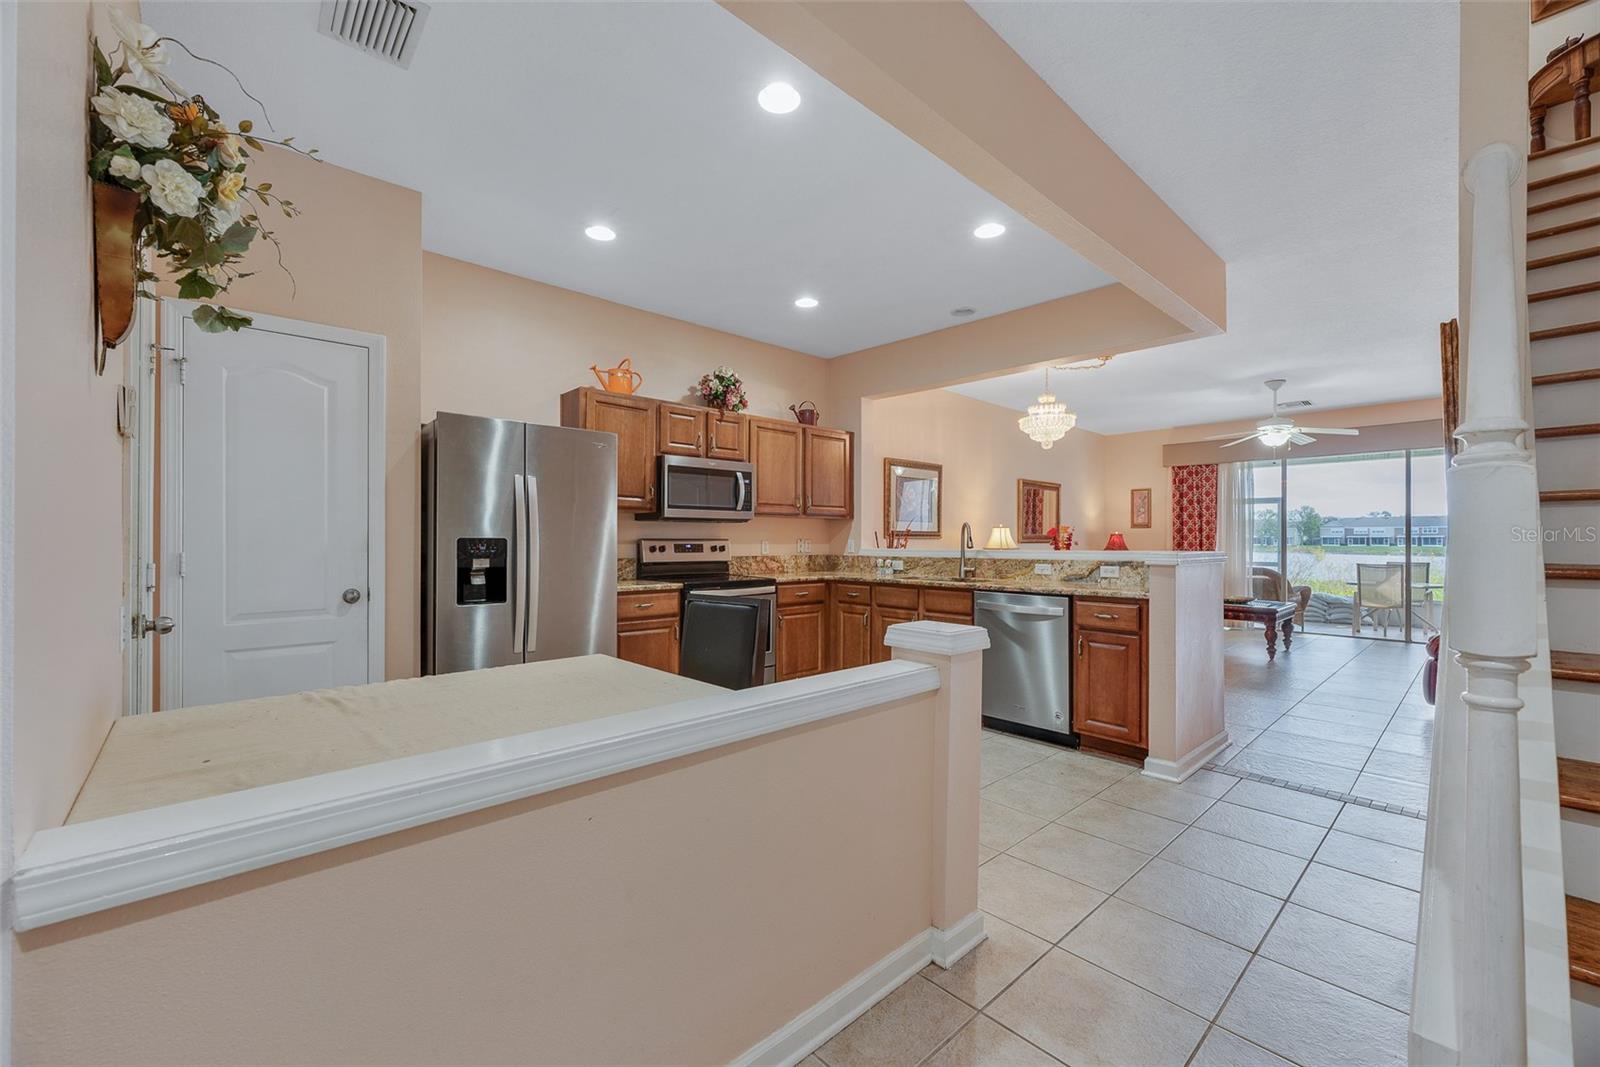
x: 780, y: 98
x: 963, y: 312
x: 988, y: 230
x: 806, y: 302
x: 601, y: 233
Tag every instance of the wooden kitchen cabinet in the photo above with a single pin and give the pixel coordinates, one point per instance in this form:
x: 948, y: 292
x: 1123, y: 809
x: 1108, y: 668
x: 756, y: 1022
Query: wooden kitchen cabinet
x: 648, y: 631
x: 778, y: 451
x: 947, y: 605
x: 828, y: 473
x: 882, y: 619
x: 680, y: 430
x: 802, y: 640
x: 727, y: 436
x: 1108, y: 671
x: 633, y: 420
x: 850, y: 627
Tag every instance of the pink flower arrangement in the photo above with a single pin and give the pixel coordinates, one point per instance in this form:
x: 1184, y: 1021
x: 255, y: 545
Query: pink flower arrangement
x: 1060, y: 538
x: 722, y: 388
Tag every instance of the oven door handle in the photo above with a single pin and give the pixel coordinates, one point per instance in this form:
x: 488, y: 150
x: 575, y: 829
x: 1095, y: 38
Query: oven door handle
x: 763, y: 590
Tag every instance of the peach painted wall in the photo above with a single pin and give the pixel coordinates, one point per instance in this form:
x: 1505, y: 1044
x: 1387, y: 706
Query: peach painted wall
x: 500, y: 345
x: 674, y: 914
x: 983, y: 454
x: 1133, y: 461
x: 356, y: 254
x: 68, y: 472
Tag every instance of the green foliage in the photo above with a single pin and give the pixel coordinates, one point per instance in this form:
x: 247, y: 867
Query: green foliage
x: 213, y: 318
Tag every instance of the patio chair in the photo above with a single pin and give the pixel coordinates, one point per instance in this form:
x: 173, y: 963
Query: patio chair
x: 1380, y: 590
x: 1422, y: 601
x: 1268, y: 583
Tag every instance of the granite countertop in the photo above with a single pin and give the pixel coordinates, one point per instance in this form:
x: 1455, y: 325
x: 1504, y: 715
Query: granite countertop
x: 983, y: 585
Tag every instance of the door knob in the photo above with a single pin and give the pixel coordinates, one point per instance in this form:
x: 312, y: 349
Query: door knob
x: 352, y: 595
x: 161, y: 624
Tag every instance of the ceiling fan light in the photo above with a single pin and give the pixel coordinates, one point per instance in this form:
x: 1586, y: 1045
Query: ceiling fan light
x: 1276, y: 436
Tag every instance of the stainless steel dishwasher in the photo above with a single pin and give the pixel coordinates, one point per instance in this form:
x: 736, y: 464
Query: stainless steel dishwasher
x: 1027, y: 669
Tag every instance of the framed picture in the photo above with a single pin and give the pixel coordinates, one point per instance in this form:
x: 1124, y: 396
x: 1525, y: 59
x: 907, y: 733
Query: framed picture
x: 1038, y: 509
x: 1139, y: 509
x: 912, y: 498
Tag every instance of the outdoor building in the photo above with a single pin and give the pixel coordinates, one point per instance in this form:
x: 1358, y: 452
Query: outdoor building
x: 1384, y: 530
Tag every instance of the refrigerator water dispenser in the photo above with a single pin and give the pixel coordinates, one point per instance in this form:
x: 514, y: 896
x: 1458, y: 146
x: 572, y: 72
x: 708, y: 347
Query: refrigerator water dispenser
x: 481, y: 570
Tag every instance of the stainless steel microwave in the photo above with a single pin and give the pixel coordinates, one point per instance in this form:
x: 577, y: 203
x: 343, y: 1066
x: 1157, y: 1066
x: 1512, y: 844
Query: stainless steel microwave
x: 705, y: 490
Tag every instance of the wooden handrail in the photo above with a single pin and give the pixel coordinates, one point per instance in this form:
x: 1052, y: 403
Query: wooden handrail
x: 1569, y: 75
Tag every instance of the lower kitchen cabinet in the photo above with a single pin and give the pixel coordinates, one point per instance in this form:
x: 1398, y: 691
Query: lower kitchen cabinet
x: 882, y: 619
x: 1108, y: 680
x: 802, y: 633
x: 850, y: 627
x: 648, y: 632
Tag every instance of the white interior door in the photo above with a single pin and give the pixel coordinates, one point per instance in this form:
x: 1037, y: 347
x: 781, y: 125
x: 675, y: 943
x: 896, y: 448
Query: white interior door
x: 274, y: 512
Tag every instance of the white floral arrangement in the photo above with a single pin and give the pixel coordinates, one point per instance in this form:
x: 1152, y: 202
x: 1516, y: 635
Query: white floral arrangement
x: 198, y: 210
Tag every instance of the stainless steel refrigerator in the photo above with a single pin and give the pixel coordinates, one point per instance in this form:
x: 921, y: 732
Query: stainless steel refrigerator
x: 519, y: 543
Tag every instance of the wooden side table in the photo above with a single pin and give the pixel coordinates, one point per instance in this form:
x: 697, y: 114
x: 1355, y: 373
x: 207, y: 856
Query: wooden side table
x: 1274, y: 614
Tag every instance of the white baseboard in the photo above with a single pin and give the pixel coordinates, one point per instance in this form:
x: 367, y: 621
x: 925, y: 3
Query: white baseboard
x: 1177, y: 771
x: 807, y: 1032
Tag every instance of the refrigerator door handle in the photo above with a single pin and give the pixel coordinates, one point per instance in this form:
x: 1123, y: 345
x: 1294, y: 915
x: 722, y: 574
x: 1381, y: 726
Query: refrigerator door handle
x: 519, y: 560
x: 532, y: 492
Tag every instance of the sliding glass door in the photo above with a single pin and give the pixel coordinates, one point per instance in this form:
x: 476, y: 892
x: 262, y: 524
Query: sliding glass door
x: 1357, y: 540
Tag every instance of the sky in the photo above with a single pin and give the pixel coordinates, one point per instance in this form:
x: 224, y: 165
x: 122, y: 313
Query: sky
x: 1350, y: 487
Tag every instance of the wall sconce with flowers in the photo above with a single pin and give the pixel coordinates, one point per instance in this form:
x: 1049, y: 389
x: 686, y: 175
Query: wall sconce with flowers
x: 169, y: 178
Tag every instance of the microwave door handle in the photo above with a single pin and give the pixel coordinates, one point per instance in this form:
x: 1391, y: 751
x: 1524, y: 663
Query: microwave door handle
x: 738, y: 478
x: 519, y: 560
x: 532, y: 636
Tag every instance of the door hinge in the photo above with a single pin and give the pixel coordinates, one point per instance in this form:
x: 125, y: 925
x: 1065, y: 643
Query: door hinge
x: 183, y: 369
x: 183, y: 564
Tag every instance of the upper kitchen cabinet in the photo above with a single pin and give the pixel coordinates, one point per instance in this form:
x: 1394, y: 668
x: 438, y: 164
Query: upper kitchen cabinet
x: 633, y: 420
x: 680, y: 430
x: 778, y: 451
x: 727, y: 436
x: 827, y: 473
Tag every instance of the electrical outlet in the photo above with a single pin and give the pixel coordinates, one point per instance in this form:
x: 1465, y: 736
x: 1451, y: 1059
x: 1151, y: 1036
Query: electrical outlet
x: 897, y: 564
x: 1109, y: 570
x: 1042, y: 568
x: 802, y: 546
x: 766, y: 548
x: 850, y: 546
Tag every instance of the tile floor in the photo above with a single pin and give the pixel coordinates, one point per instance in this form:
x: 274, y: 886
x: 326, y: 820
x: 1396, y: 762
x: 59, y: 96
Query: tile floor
x: 1226, y: 921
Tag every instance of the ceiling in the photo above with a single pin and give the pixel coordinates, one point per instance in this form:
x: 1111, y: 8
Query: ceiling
x: 521, y: 124
x: 1313, y: 147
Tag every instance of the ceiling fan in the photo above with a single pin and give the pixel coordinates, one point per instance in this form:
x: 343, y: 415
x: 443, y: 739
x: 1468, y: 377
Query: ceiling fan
x: 1276, y: 429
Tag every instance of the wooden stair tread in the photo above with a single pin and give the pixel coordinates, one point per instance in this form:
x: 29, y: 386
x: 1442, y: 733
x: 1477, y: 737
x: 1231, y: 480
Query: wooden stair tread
x: 1569, y: 330
x: 1568, y: 496
x: 1575, y: 666
x: 1578, y: 781
x: 1583, y: 940
x: 1579, y: 572
x: 1560, y: 148
x: 1559, y: 179
x: 1566, y: 376
x: 1566, y: 290
x: 1580, y: 429
x: 1565, y: 227
x: 1563, y: 257
x: 1565, y: 201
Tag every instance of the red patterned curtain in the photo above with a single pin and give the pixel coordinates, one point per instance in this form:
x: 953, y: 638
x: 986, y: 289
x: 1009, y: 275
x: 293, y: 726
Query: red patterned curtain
x: 1194, y: 508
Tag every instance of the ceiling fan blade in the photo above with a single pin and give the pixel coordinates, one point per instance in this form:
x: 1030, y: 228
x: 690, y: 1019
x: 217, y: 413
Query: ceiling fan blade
x: 1240, y: 441
x: 1301, y: 439
x: 1326, y: 430
x: 1225, y: 436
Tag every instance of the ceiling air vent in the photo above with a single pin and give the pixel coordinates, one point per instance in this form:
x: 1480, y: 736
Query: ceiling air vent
x: 387, y: 29
x: 1295, y: 404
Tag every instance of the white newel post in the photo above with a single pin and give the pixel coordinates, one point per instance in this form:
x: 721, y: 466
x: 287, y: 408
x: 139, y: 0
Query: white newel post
x: 1493, y: 622
x: 958, y: 653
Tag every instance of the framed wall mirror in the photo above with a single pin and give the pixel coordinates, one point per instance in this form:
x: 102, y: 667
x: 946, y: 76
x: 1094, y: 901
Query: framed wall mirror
x: 912, y: 498
x: 1038, y: 509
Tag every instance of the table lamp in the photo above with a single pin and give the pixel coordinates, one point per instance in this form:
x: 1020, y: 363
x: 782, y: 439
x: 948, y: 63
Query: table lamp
x: 1115, y: 543
x: 1001, y: 537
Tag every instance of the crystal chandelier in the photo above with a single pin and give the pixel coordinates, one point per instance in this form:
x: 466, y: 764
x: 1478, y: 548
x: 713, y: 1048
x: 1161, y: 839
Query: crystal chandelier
x: 1047, y: 421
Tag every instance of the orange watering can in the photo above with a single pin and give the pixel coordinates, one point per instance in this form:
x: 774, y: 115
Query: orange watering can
x: 619, y: 379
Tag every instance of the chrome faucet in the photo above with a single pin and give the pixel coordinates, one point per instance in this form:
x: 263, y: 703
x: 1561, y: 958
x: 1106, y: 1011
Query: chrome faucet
x: 968, y: 570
